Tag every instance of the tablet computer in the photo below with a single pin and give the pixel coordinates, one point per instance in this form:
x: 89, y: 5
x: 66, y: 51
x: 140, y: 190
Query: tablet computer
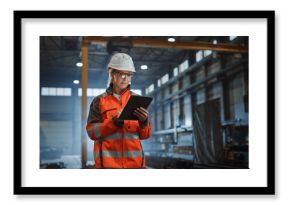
x: 134, y: 102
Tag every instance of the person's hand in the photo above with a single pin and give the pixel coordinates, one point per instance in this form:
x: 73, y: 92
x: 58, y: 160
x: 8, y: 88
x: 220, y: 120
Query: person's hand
x: 117, y: 121
x: 141, y: 113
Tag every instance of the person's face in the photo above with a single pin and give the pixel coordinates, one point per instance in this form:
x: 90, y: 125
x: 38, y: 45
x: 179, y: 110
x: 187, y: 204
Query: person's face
x: 121, y: 79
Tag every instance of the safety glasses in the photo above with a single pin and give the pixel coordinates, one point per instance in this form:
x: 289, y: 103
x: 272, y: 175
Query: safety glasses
x: 123, y: 75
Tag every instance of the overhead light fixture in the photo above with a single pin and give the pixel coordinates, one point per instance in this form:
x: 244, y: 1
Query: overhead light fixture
x: 79, y: 64
x: 144, y: 67
x: 214, y: 42
x: 171, y: 39
x: 76, y: 82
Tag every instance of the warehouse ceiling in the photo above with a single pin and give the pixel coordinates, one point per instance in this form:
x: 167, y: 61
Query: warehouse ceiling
x: 59, y: 55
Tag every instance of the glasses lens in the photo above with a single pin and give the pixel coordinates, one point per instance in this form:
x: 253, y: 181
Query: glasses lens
x: 123, y: 76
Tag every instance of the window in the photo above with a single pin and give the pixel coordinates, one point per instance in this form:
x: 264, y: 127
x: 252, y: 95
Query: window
x: 175, y: 71
x: 59, y: 91
x: 44, y: 91
x: 164, y: 79
x: 199, y: 56
x: 92, y: 92
x: 159, y: 83
x: 183, y: 66
x: 150, y: 89
x: 67, y: 92
x: 52, y: 91
x: 79, y: 92
x: 138, y: 91
x: 207, y: 52
x: 89, y: 92
x: 98, y: 91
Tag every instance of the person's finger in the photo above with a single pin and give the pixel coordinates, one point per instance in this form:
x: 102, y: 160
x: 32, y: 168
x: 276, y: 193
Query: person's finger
x: 136, y: 114
x: 140, y: 116
x: 144, y: 110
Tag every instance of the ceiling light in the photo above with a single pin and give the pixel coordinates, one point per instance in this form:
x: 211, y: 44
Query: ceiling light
x: 79, y: 64
x: 171, y: 39
x: 214, y: 41
x: 76, y: 81
x: 144, y: 67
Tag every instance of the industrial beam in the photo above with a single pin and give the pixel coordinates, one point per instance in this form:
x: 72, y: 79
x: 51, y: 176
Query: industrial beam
x: 84, y: 100
x: 157, y: 43
x: 72, y: 52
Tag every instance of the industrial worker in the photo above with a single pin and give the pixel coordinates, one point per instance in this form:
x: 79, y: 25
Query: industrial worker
x: 117, y: 142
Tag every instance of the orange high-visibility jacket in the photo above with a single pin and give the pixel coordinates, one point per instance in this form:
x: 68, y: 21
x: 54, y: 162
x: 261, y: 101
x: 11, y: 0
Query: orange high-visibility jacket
x: 115, y: 147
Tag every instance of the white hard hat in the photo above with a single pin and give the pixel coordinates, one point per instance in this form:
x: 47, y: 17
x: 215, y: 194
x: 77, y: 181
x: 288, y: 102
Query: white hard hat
x: 122, y: 61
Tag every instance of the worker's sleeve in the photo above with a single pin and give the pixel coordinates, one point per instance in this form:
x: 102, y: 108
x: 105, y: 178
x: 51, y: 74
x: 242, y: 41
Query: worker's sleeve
x: 144, y: 130
x: 96, y: 128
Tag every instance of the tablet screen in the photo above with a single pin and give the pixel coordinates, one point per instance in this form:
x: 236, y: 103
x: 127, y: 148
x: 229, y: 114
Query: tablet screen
x: 134, y: 102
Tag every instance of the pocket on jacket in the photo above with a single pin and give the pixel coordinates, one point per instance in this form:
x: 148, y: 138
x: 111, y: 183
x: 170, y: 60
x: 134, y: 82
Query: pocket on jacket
x: 131, y: 126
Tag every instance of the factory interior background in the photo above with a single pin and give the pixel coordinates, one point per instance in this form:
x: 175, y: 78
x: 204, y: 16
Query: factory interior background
x: 199, y: 85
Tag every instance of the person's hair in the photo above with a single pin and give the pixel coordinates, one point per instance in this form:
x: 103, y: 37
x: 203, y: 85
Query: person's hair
x: 113, y: 70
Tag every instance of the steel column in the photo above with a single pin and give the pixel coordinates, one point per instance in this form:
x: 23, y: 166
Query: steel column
x: 84, y: 100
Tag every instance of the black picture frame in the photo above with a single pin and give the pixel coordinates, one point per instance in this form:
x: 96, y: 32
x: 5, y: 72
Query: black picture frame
x: 19, y: 189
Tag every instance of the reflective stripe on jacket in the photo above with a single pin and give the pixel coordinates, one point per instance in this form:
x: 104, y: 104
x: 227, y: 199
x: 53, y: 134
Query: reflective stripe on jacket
x: 115, y: 147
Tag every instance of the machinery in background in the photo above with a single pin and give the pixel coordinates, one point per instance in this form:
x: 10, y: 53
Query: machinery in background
x: 175, y: 148
x: 171, y: 148
x: 236, y: 142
